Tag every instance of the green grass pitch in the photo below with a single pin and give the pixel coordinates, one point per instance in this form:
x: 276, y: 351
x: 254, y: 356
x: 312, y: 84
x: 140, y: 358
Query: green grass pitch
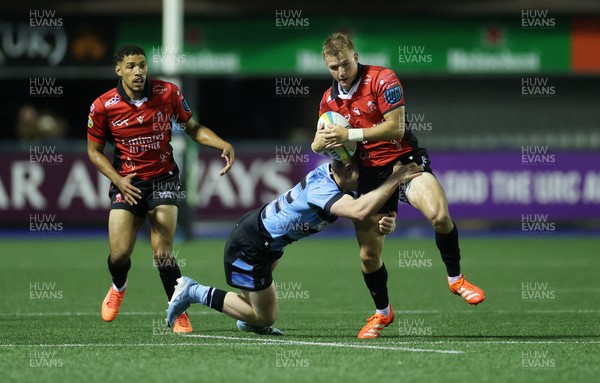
x: 539, y: 322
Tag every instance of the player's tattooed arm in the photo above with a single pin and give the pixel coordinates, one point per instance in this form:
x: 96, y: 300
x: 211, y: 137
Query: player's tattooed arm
x: 204, y: 136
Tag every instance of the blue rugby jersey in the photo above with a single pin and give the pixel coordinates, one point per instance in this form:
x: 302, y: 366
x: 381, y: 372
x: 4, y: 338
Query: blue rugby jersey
x: 303, y: 210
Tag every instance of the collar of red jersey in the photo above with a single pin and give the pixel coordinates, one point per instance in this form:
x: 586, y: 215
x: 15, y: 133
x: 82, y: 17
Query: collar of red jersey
x: 147, y: 90
x: 335, y: 86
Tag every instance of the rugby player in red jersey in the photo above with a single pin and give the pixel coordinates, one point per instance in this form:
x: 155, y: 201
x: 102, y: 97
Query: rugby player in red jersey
x: 137, y: 117
x: 372, y: 99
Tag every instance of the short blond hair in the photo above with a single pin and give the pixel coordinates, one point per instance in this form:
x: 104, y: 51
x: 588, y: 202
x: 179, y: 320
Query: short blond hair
x: 337, y: 44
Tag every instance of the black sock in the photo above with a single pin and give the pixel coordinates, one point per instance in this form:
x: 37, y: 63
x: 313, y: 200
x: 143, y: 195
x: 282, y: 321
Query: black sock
x: 448, y: 246
x: 216, y: 298
x: 169, y: 272
x: 377, y: 284
x: 119, y: 273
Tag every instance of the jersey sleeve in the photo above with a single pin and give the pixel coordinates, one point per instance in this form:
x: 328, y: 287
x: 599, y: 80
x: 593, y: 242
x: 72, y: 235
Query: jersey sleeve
x: 97, y: 123
x: 181, y: 109
x: 388, y: 91
x: 323, y: 195
x: 323, y: 107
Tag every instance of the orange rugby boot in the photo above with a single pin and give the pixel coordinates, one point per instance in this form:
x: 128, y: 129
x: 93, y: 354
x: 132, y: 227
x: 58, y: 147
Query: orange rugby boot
x: 375, y: 325
x: 471, y: 293
x: 111, y: 304
x: 182, y: 324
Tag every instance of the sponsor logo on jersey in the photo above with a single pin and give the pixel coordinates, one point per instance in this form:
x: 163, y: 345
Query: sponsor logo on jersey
x: 120, y: 122
x: 116, y: 98
x: 140, y: 119
x: 129, y: 164
x: 92, y: 109
x: 159, y: 89
x: 356, y: 110
x: 371, y: 106
x: 393, y: 95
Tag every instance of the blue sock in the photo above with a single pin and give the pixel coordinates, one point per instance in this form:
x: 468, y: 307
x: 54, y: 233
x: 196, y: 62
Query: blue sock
x: 208, y: 296
x: 199, y: 293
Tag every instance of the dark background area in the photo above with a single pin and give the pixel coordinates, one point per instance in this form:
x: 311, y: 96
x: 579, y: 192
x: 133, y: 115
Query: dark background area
x: 249, y: 109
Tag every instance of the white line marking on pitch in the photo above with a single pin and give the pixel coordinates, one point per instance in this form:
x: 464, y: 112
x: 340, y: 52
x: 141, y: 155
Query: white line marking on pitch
x: 159, y: 313
x: 96, y: 313
x: 325, y: 344
x: 251, y: 342
x: 66, y: 345
x: 502, y: 341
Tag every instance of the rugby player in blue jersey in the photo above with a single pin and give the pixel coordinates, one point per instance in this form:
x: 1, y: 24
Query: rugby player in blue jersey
x: 257, y: 241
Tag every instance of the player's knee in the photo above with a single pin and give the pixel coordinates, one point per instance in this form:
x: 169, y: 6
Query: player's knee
x: 120, y: 255
x: 370, y: 259
x: 265, y: 319
x: 442, y: 222
x: 370, y: 252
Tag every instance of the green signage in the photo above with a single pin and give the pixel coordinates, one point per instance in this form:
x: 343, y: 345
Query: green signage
x: 289, y: 43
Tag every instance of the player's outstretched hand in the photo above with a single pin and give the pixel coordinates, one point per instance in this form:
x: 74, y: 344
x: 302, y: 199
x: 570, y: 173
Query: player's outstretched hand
x: 229, y: 155
x: 387, y: 223
x: 406, y: 172
x: 130, y: 193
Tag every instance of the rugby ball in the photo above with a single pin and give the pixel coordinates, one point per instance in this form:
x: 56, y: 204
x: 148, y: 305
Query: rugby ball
x: 340, y: 153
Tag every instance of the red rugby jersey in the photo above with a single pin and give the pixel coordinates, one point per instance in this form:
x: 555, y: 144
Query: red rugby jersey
x: 140, y: 134
x: 375, y: 92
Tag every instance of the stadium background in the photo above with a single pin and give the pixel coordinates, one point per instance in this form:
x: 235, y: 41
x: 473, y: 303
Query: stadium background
x: 503, y: 94
x: 505, y: 100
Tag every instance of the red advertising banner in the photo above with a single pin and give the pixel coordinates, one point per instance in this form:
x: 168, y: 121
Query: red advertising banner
x: 585, y: 45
